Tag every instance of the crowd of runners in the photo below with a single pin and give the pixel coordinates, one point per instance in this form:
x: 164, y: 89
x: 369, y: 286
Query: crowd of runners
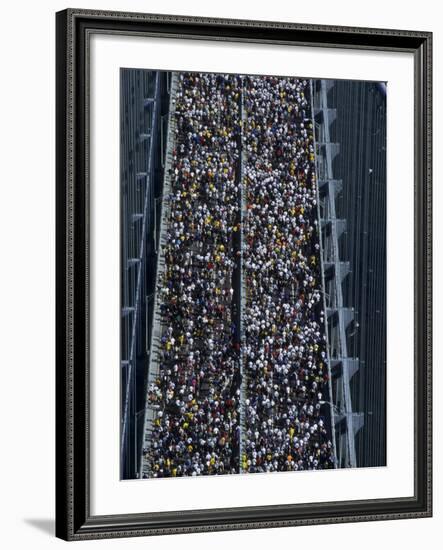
x: 285, y: 345
x: 226, y: 401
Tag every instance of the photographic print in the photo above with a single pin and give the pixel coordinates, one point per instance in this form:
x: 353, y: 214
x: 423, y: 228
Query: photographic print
x: 253, y: 274
x: 241, y: 300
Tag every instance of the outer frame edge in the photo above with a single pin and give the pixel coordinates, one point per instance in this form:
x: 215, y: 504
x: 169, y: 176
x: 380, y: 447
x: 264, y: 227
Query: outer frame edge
x: 67, y: 507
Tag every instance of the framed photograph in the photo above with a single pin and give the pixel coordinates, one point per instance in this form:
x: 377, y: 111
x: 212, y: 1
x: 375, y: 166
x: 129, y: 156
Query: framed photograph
x: 243, y: 274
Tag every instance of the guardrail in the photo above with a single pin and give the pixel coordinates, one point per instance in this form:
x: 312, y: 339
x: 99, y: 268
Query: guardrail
x: 156, y: 333
x: 345, y: 421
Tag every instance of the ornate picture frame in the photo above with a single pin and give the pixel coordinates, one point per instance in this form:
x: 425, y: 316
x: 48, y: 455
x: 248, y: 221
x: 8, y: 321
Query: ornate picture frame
x: 74, y: 29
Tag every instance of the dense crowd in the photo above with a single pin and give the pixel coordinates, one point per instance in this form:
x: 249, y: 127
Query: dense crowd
x: 198, y: 423
x: 196, y: 430
x: 285, y: 354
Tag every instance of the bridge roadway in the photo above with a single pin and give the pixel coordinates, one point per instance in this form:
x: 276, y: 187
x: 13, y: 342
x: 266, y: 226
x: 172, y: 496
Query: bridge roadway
x: 239, y: 286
